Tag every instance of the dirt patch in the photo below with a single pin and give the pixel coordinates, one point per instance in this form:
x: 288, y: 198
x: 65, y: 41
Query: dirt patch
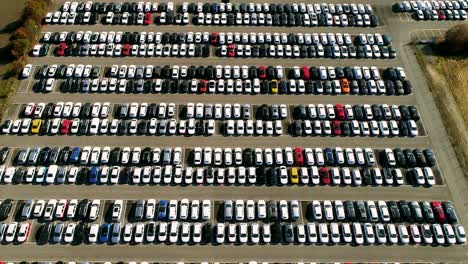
x: 448, y: 79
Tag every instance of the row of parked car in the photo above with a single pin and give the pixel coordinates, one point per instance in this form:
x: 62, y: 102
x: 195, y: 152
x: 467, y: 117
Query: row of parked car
x: 179, y: 175
x: 141, y: 210
x: 433, y: 10
x: 345, y: 233
x: 119, y: 50
x: 306, y: 51
x: 382, y: 128
x: 226, y: 86
x: 281, y: 19
x: 214, y: 38
x: 176, y: 232
x: 235, y: 111
x: 219, y: 72
x: 98, y: 126
x: 208, y: 156
x: 413, y: 6
x: 119, y: 7
x: 340, y: 211
x: 97, y: 155
x: 101, y: 110
x: 324, y: 8
x: 103, y: 7
x: 356, y: 112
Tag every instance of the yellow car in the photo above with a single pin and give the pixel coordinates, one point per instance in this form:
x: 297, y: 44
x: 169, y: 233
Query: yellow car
x: 274, y: 86
x: 294, y: 175
x: 36, y: 126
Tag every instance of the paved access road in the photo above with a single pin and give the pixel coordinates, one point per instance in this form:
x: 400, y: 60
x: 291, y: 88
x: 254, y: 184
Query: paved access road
x: 398, y: 27
x: 276, y: 253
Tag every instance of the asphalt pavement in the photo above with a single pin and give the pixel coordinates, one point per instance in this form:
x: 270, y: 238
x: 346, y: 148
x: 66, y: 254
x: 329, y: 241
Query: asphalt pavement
x: 397, y: 26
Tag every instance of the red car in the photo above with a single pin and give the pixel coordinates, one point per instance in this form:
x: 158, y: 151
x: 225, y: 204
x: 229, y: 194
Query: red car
x: 202, y: 86
x: 336, y: 128
x: 148, y: 19
x: 305, y: 73
x: 438, y: 212
x: 232, y: 50
x: 340, y: 112
x: 126, y: 49
x: 441, y: 15
x: 262, y: 72
x: 324, y: 175
x: 61, y: 49
x: 214, y: 38
x: 298, y: 156
x: 65, y: 127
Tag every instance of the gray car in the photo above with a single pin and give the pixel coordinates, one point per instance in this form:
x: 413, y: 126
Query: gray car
x: 23, y: 155
x: 167, y: 155
x: 123, y: 111
x: 288, y: 233
x: 228, y: 210
x: 33, y: 155
x: 115, y: 235
x: 139, y: 209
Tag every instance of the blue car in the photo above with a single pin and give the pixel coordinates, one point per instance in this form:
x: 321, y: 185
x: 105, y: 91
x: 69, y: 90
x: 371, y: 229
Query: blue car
x: 162, y: 210
x: 105, y: 231
x: 94, y: 175
x: 329, y: 157
x: 75, y: 155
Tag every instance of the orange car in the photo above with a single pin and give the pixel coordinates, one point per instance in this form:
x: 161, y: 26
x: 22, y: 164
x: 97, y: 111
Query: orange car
x: 344, y: 85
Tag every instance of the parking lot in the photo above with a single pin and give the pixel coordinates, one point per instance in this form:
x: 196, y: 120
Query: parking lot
x: 221, y: 177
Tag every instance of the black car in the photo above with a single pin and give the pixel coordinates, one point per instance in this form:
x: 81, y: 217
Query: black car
x: 44, y: 155
x: 410, y: 158
x: 18, y: 177
x: 44, y: 234
x: 405, y: 211
x: 420, y: 158
x: 288, y: 233
x: 4, y: 154
x: 82, y: 210
x: 400, y: 157
x: 273, y: 176
x: 394, y: 211
x: 248, y: 157
x: 5, y: 209
x: 207, y: 233
x: 450, y: 212
x: 275, y: 233
x: 84, y: 125
x: 115, y: 156
x: 430, y: 159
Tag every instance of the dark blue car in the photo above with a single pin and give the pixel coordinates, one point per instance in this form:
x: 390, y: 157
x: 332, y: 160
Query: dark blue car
x: 94, y: 175
x: 329, y: 157
x: 105, y: 231
x: 75, y: 155
x: 162, y: 210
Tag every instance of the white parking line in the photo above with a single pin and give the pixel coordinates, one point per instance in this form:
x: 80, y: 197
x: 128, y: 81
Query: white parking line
x: 425, y: 34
